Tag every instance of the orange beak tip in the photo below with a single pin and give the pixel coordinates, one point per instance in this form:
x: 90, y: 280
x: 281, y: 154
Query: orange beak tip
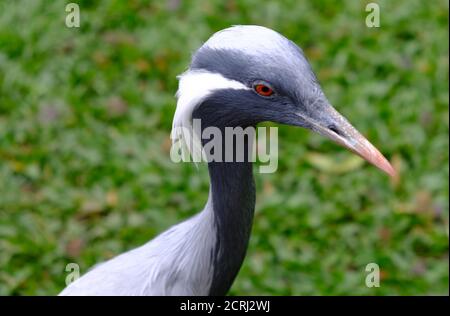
x: 384, y: 165
x: 391, y: 171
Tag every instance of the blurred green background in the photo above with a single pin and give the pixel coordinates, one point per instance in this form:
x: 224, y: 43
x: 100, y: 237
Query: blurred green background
x: 85, y: 117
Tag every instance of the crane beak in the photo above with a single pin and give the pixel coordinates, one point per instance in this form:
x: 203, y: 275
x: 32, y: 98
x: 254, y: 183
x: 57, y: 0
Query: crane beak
x: 334, y: 126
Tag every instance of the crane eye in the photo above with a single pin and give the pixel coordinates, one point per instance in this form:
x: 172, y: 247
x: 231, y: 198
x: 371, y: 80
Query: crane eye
x: 263, y: 90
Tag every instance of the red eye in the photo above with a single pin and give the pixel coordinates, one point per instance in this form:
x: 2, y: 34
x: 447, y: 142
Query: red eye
x: 263, y: 90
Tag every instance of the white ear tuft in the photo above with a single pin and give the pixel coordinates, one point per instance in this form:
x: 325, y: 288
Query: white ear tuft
x: 194, y: 87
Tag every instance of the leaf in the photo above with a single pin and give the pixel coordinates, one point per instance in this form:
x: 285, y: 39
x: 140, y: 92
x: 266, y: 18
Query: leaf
x: 329, y: 164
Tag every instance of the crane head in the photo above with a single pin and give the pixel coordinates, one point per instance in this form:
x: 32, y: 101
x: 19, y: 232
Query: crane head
x: 258, y: 75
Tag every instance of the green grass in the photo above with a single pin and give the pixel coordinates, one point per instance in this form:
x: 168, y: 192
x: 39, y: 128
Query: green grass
x: 85, y: 117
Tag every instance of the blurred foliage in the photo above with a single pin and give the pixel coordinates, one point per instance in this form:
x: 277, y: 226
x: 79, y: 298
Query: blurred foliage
x: 85, y: 116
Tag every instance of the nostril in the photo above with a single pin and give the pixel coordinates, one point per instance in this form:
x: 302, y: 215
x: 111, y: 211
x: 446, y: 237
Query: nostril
x: 333, y: 128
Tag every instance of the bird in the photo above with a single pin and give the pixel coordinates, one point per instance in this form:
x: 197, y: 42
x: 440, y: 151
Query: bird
x: 241, y: 76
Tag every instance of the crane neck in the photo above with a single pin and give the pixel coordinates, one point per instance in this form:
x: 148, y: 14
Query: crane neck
x: 233, y: 200
x: 232, y: 193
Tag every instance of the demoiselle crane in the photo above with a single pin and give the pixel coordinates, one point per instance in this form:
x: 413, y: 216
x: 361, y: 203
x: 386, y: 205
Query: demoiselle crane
x: 241, y: 76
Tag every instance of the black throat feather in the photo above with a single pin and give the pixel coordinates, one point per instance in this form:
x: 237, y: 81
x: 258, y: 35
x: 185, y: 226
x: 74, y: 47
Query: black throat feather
x: 233, y: 197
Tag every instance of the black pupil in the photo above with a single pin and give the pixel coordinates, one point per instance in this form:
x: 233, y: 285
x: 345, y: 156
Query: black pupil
x: 265, y: 89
